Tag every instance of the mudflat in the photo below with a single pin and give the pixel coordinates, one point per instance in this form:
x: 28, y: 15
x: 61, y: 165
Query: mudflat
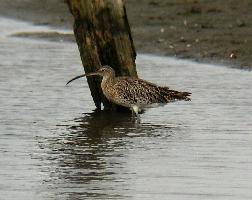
x: 211, y: 31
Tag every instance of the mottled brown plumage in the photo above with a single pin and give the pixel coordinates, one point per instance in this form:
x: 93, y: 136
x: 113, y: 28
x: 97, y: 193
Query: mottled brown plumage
x: 132, y: 92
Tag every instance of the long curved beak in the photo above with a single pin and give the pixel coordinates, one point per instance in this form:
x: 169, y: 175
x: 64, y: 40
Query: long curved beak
x: 77, y: 77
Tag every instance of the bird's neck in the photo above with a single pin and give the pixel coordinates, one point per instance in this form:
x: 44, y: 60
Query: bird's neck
x: 107, y: 80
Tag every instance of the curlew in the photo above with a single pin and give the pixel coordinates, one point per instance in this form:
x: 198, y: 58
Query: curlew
x: 133, y: 93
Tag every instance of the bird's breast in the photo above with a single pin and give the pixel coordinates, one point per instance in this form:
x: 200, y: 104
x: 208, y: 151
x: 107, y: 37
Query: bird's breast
x: 112, y: 93
x: 108, y: 91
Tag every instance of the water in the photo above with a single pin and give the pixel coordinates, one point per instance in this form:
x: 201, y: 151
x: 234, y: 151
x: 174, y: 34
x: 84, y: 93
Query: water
x: 54, y: 146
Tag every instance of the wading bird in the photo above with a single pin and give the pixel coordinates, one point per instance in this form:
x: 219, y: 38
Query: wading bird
x: 133, y: 93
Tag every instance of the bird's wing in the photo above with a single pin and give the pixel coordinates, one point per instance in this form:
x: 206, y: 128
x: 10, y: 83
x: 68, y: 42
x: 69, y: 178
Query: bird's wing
x: 138, y: 91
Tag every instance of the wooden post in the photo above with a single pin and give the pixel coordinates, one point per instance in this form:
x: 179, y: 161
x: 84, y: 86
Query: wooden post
x: 103, y: 36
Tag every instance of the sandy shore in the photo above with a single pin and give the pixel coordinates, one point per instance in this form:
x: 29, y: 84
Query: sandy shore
x: 209, y: 31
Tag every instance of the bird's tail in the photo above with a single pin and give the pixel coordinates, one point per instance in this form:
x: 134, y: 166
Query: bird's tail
x: 173, y: 95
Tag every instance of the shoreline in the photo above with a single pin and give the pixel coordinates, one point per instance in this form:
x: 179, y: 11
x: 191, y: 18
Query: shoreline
x: 182, y: 29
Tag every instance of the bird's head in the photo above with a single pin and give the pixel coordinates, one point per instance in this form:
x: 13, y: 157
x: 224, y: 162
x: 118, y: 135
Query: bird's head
x: 104, y: 71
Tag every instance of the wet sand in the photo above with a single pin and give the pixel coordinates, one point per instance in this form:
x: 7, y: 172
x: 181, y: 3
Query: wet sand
x: 209, y: 31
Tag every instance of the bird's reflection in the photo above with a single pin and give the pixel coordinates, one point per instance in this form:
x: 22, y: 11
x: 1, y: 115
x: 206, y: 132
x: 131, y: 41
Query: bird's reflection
x: 91, y: 149
x: 100, y: 124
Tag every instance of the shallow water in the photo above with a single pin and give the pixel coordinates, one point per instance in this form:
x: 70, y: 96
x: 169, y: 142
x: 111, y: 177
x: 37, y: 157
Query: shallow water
x: 54, y: 146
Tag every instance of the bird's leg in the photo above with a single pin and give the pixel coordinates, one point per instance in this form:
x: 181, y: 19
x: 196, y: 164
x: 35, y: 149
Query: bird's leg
x: 135, y: 117
x: 135, y: 109
x: 135, y: 112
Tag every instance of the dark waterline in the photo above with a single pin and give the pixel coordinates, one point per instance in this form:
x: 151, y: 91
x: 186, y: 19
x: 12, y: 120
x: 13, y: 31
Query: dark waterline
x: 53, y: 145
